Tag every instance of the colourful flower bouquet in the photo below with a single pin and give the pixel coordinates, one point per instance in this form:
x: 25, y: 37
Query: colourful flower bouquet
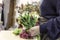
x: 27, y: 21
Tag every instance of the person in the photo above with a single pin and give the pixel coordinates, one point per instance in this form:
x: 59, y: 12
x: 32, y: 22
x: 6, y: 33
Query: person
x: 50, y: 9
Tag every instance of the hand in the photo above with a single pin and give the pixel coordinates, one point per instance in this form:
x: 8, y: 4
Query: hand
x: 34, y: 31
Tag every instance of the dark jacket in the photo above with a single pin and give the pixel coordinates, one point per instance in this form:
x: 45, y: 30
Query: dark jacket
x: 50, y: 9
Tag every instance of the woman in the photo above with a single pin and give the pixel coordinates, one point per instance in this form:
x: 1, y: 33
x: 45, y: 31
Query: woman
x: 50, y: 9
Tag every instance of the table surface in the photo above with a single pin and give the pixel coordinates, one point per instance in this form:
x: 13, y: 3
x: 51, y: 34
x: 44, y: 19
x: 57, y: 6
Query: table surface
x: 8, y: 35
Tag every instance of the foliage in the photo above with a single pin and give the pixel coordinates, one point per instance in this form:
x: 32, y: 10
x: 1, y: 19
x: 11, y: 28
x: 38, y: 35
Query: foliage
x: 28, y: 20
x: 38, y: 37
x: 29, y: 7
x: 17, y: 31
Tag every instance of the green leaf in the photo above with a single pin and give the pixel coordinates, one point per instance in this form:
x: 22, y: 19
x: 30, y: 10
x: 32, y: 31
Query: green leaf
x: 17, y: 31
x: 28, y: 20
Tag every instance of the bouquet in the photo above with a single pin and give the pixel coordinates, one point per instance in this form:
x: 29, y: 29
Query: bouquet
x: 28, y: 21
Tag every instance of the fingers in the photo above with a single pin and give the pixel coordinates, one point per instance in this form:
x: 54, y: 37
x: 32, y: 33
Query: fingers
x: 34, y: 31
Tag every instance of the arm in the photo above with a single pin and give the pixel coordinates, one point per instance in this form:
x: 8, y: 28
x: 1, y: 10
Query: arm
x: 52, y: 26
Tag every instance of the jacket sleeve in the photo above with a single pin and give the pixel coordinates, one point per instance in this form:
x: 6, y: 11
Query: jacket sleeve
x: 52, y: 26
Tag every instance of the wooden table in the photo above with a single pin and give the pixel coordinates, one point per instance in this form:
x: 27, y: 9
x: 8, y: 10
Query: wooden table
x: 8, y: 35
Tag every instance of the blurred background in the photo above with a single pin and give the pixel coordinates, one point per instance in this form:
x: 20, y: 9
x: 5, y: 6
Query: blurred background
x: 10, y: 10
